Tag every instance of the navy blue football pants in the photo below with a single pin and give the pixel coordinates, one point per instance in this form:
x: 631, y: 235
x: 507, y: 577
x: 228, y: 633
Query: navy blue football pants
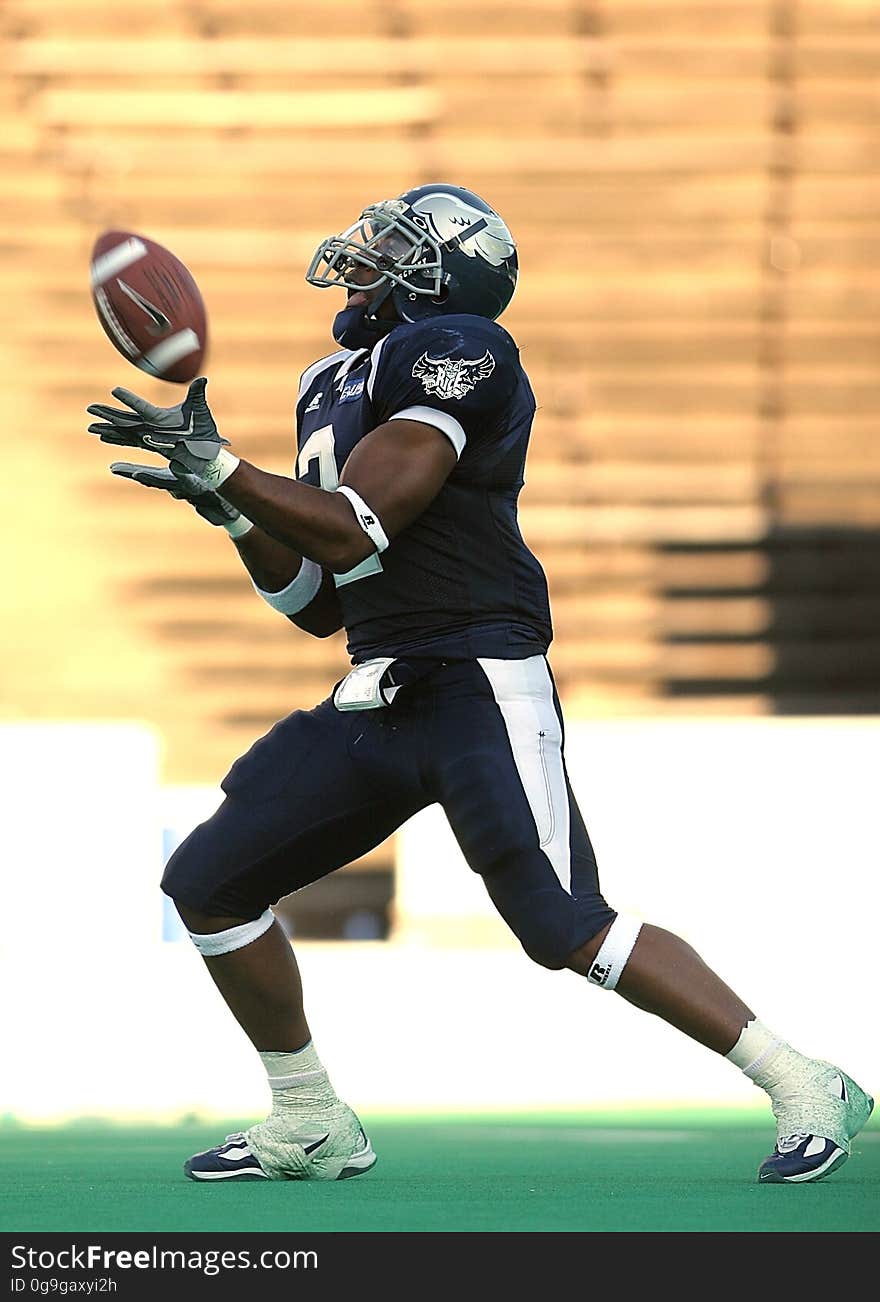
x: 483, y: 738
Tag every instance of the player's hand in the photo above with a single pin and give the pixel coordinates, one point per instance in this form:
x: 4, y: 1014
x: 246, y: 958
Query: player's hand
x: 185, y: 488
x: 185, y: 434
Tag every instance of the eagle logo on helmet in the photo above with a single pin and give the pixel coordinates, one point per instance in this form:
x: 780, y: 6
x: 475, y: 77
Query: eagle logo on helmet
x: 448, y: 377
x: 449, y: 219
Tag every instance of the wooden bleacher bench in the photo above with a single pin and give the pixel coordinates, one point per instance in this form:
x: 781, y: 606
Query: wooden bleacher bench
x: 639, y: 153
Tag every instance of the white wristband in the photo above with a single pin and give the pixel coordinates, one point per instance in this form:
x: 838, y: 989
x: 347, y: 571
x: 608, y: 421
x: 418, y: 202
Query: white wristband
x: 216, y: 472
x: 299, y: 592
x: 239, y: 527
x: 366, y: 518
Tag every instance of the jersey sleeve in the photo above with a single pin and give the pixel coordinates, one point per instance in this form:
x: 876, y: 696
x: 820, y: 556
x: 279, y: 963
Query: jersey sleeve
x: 456, y: 374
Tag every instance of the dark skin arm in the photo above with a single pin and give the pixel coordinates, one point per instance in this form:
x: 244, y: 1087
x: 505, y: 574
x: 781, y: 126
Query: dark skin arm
x: 398, y: 469
x: 272, y: 566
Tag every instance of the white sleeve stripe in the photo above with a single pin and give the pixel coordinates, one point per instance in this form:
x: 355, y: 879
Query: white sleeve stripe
x: 441, y: 420
x: 317, y: 367
x: 366, y: 518
x: 374, y: 364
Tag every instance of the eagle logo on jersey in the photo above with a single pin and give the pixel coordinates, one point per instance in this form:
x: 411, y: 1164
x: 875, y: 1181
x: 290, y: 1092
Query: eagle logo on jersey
x: 452, y: 377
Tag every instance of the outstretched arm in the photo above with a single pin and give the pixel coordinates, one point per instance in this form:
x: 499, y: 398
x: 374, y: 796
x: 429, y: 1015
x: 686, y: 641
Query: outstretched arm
x: 272, y: 566
x: 389, y: 479
x: 395, y: 472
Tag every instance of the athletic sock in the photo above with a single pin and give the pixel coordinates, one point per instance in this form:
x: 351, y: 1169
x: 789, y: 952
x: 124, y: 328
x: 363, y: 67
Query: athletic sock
x: 771, y: 1063
x: 299, y: 1083
x: 303, y: 1103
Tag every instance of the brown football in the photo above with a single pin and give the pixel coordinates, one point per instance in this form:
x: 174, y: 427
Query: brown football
x: 149, y: 305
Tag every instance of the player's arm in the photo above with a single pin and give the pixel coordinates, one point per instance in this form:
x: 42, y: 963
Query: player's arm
x: 392, y: 474
x: 397, y: 469
x: 401, y: 465
x: 283, y: 578
x: 301, y: 591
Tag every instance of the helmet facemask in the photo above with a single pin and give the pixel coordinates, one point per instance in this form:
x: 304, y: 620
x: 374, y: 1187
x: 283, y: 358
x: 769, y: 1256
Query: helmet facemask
x: 396, y: 248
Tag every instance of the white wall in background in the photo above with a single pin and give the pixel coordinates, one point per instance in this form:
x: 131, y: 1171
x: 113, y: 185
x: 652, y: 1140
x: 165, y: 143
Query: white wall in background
x: 755, y: 839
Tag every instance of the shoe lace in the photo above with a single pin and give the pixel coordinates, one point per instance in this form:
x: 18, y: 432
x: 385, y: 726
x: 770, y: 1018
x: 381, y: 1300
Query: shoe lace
x: 793, y: 1140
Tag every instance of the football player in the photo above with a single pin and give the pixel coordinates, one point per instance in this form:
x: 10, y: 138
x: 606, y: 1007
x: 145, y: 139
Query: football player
x: 400, y: 525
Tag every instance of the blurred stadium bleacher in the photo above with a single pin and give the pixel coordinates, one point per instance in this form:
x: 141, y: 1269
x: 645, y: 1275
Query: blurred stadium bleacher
x: 695, y: 191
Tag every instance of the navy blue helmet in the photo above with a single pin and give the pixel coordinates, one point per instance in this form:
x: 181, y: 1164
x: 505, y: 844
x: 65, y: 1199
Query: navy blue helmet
x: 438, y: 250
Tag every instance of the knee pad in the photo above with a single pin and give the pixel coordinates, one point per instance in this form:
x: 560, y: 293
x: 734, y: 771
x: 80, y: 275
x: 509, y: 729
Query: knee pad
x: 544, y: 933
x: 614, y: 952
x: 181, y: 880
x: 549, y: 923
x: 185, y: 885
x: 197, y: 875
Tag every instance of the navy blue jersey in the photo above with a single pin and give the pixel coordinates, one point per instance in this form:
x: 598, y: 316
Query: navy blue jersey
x: 459, y: 582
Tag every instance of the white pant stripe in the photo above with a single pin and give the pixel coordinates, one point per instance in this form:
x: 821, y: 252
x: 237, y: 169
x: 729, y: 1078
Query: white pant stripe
x: 523, y: 691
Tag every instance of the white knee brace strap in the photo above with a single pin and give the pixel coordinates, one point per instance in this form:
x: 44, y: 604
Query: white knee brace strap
x: 614, y: 952
x: 226, y: 942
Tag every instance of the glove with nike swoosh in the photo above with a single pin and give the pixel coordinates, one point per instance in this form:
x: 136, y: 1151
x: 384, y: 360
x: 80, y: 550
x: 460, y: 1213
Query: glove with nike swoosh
x: 188, y: 488
x: 185, y: 434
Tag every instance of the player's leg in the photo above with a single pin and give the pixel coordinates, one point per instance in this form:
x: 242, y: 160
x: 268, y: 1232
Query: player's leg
x: 311, y: 796
x: 818, y: 1108
x: 495, y: 765
x: 501, y: 777
x: 259, y: 981
x: 663, y: 973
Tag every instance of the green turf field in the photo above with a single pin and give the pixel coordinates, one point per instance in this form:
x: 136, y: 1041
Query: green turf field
x: 677, y: 1172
